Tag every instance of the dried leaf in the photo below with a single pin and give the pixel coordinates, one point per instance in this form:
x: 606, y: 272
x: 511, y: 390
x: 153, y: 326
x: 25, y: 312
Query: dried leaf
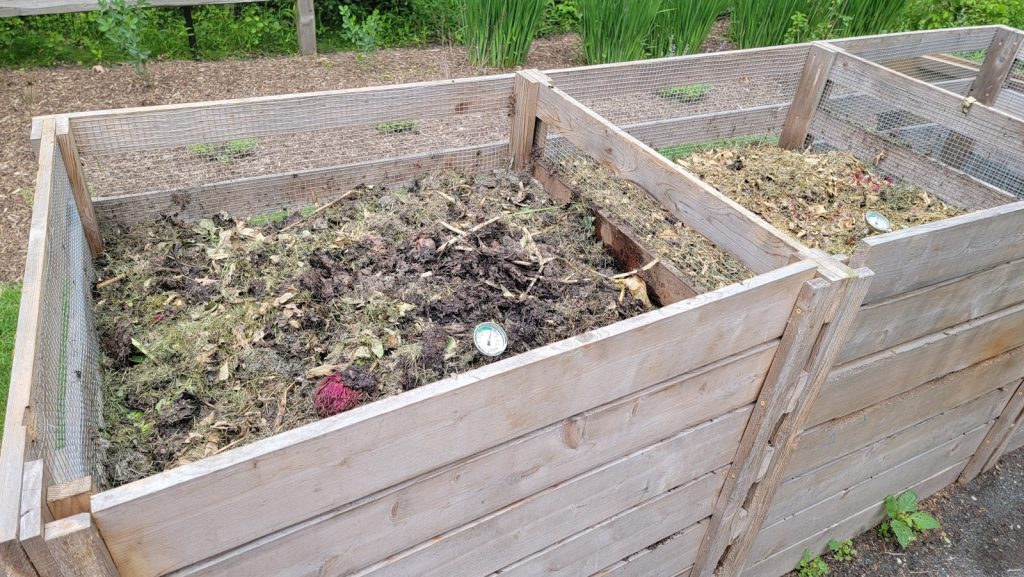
x: 637, y: 288
x: 322, y: 371
x: 284, y: 298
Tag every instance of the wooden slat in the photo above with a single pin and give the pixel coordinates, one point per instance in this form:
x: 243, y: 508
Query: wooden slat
x: 177, y: 125
x: 797, y: 493
x: 662, y: 560
x: 34, y: 517
x: 782, y: 534
x: 23, y: 368
x: 723, y: 221
x: 1016, y: 441
x: 79, y: 188
x: 942, y: 250
x: 78, y: 549
x: 997, y: 65
x: 918, y: 43
x: 835, y: 438
x: 866, y: 519
x: 871, y: 379
x: 306, y: 25
x: 523, y: 393
x: 951, y: 185
x: 615, y: 538
x: 70, y: 498
x: 812, y: 86
x: 260, y: 194
x: 992, y: 447
x: 558, y: 512
x: 458, y: 494
x: 711, y: 126
x: 524, y: 117
x: 14, y: 562
x: 35, y: 7
x: 898, y: 319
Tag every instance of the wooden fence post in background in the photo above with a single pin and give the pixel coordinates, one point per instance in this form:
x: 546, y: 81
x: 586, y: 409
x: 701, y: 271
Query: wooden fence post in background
x: 808, y: 94
x: 306, y: 22
x: 76, y: 174
x: 997, y: 65
x: 524, y: 117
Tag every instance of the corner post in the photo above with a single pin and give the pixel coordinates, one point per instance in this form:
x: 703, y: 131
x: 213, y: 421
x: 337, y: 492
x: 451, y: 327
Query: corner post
x: 815, y: 335
x: 813, y: 81
x: 34, y: 517
x: 997, y: 65
x: 76, y: 174
x: 78, y: 549
x: 524, y: 133
x: 305, y: 20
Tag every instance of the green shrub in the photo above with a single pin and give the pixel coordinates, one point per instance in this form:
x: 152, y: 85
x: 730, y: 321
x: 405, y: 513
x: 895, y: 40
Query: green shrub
x: 682, y: 25
x: 363, y: 35
x: 616, y: 32
x: 122, y: 22
x: 929, y: 14
x: 500, y: 33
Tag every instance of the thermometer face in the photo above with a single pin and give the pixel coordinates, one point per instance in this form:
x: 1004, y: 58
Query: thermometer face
x: 490, y: 339
x: 877, y: 221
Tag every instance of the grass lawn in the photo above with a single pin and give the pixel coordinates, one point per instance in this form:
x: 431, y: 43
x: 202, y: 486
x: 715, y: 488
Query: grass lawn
x: 10, y: 297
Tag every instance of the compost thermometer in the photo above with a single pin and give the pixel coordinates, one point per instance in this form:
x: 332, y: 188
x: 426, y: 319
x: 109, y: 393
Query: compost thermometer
x: 490, y: 339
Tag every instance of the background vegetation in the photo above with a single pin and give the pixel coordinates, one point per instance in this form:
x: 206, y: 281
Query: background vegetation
x: 10, y: 297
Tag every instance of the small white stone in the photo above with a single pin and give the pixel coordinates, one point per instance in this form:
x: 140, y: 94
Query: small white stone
x: 973, y: 498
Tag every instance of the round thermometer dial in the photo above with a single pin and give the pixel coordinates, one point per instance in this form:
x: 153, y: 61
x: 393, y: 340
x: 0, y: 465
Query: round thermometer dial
x: 877, y: 221
x: 490, y: 339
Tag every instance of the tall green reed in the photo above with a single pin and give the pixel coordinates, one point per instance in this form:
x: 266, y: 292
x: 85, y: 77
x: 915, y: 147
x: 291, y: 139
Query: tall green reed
x: 499, y: 33
x: 872, y: 16
x: 616, y: 31
x: 683, y: 25
x: 756, y: 23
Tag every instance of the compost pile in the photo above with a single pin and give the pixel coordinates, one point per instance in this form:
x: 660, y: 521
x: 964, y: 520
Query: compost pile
x: 819, y: 198
x: 221, y: 332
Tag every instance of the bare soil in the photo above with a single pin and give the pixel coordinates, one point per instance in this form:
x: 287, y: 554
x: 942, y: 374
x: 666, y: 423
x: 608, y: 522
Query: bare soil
x: 217, y: 334
x: 28, y: 93
x: 982, y: 533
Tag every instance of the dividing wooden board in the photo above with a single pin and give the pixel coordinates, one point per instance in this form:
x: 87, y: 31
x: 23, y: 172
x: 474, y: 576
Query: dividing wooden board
x: 853, y: 525
x: 662, y: 560
x: 871, y: 379
x: 813, y: 81
x: 452, y: 496
x: 192, y: 512
x: 942, y: 250
x: 918, y: 43
x: 997, y: 65
x: 757, y: 121
x: 723, y: 221
x: 907, y: 316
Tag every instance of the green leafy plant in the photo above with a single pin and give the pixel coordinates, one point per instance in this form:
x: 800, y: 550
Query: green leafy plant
x: 616, y: 31
x: 824, y: 20
x: 225, y: 152
x: 905, y: 520
x: 363, y: 35
x: 122, y: 23
x: 811, y: 565
x: 500, y: 33
x: 686, y: 93
x: 926, y: 14
x: 683, y: 25
x: 842, y: 551
x: 865, y: 17
x: 398, y: 126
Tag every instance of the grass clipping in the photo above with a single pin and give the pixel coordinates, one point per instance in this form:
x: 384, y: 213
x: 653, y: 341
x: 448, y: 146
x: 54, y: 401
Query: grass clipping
x: 218, y: 333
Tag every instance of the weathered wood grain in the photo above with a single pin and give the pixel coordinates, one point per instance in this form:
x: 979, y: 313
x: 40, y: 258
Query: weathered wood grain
x: 522, y: 394
x: 871, y: 379
x: 306, y: 25
x: 918, y: 43
x: 78, y: 549
x: 524, y: 117
x: 34, y: 516
x: 1016, y: 440
x: 812, y: 86
x: 79, y: 188
x: 997, y: 65
x: 460, y: 493
x: 662, y: 560
x: 760, y: 120
x: 942, y: 250
x: 898, y: 319
x: 70, y: 498
x: 992, y: 447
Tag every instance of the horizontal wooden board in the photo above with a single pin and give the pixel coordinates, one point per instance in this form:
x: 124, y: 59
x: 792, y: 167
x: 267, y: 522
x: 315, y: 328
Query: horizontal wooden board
x: 465, y: 491
x: 663, y: 559
x: 558, y: 512
x: 1016, y: 440
x: 835, y: 438
x: 369, y: 449
x: 797, y: 493
x: 34, y: 7
x: 757, y: 121
x: 874, y: 378
x: 918, y: 43
x: 607, y: 542
x: 907, y: 316
x: 780, y: 535
x: 783, y: 562
x: 175, y: 125
x: 735, y: 229
x: 948, y: 184
x: 261, y: 194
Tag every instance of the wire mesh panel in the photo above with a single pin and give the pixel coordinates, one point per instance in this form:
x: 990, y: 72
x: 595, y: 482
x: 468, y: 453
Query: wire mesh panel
x: 672, y: 104
x: 65, y: 396
x: 1011, y: 96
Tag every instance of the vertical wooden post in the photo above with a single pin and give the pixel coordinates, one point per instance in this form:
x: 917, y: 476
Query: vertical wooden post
x: 71, y: 498
x: 994, y: 444
x: 997, y: 66
x: 793, y: 383
x: 524, y: 116
x: 306, y: 23
x: 34, y: 517
x: 78, y: 549
x: 36, y: 135
x: 76, y: 174
x: 813, y: 80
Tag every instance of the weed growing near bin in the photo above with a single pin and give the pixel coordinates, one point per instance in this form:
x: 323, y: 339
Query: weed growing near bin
x: 905, y: 521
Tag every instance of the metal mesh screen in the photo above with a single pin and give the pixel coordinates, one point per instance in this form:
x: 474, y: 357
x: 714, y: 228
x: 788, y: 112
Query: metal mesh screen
x: 673, y: 104
x: 891, y: 128
x: 1011, y: 96
x: 65, y: 397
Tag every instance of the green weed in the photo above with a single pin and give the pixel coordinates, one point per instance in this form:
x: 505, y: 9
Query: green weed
x: 811, y: 565
x: 687, y: 93
x: 398, y: 126
x: 225, y: 152
x: 905, y: 521
x: 842, y: 551
x: 122, y: 22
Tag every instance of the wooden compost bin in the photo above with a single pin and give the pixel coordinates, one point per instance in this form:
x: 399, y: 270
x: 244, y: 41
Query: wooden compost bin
x: 665, y: 444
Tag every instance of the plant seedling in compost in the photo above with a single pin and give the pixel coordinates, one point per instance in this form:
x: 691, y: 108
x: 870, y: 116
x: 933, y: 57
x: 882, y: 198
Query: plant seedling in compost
x: 225, y: 152
x: 811, y: 565
x: 687, y: 93
x: 398, y: 127
x: 905, y: 521
x: 842, y: 551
